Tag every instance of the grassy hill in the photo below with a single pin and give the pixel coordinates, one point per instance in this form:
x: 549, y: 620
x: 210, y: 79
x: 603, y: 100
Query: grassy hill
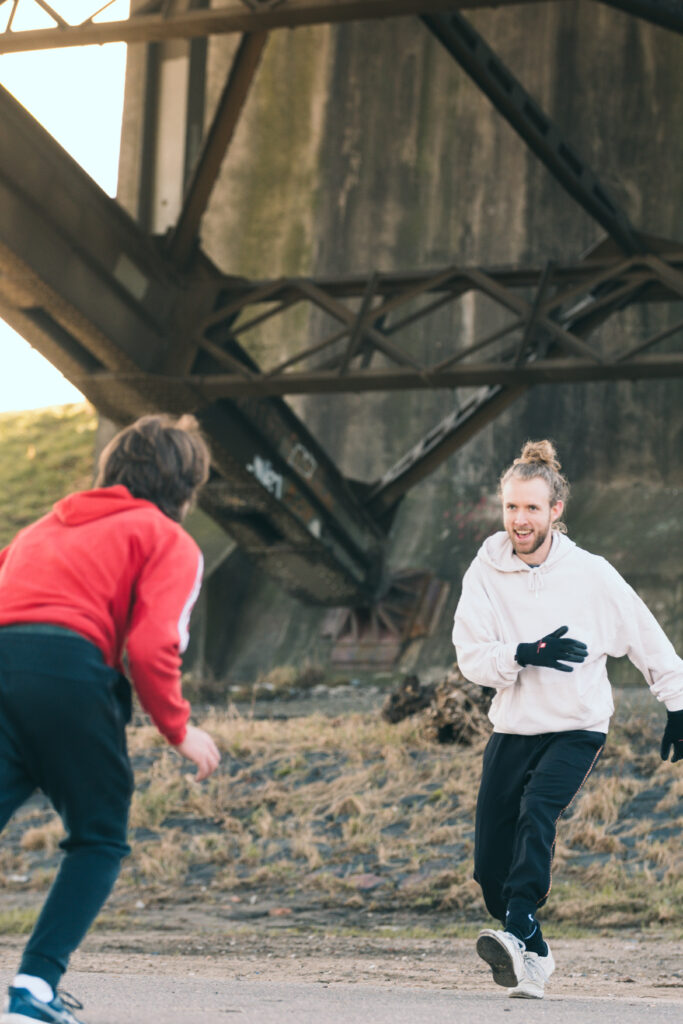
x: 44, y: 453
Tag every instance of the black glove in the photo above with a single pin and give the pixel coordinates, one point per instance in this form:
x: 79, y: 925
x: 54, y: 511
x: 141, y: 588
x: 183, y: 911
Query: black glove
x: 673, y: 737
x: 550, y: 651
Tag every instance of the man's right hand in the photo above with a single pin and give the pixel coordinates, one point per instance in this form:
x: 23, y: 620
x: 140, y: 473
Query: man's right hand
x: 199, y: 747
x: 552, y: 650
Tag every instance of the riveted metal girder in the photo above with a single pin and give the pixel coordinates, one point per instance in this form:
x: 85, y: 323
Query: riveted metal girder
x: 89, y: 290
x: 540, y: 133
x: 550, y: 335
x: 231, y: 17
x: 184, y: 236
x: 533, y: 301
x: 666, y: 13
x: 139, y: 328
x: 157, y: 21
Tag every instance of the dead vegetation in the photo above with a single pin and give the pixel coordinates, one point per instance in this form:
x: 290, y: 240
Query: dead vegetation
x: 354, y: 813
x: 458, y: 711
x: 454, y: 710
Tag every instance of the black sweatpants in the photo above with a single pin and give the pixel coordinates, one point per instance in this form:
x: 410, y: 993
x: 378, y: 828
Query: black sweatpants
x: 527, y: 783
x: 62, y: 730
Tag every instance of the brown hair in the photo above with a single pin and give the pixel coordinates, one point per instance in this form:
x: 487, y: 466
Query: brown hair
x: 539, y: 459
x: 158, y: 458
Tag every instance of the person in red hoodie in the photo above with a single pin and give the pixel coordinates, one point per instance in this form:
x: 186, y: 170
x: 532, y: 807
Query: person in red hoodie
x: 98, y: 590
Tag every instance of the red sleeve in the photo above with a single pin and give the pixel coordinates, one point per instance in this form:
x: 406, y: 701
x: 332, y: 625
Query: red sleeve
x: 165, y: 592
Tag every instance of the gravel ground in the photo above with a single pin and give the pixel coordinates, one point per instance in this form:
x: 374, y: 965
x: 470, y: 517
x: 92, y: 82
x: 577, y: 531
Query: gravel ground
x: 637, y: 967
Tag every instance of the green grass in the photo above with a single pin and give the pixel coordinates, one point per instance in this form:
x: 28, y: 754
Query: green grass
x: 44, y: 454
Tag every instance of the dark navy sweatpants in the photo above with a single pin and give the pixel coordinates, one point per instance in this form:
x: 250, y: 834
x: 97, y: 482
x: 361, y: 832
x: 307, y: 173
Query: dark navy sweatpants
x: 62, y: 730
x: 527, y: 783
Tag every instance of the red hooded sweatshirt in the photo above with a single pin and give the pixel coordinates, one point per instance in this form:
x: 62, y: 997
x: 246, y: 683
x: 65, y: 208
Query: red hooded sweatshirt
x: 118, y: 571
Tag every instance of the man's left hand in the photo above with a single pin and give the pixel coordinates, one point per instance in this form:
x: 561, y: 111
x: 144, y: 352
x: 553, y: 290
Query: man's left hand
x: 673, y: 736
x: 199, y: 747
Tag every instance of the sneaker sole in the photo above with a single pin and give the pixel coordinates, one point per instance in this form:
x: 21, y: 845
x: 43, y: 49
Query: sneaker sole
x: 17, y: 1018
x: 22, y: 1018
x: 516, y: 994
x: 499, y: 960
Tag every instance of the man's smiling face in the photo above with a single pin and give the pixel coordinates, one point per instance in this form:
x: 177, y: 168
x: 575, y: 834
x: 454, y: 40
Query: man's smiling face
x: 528, y: 517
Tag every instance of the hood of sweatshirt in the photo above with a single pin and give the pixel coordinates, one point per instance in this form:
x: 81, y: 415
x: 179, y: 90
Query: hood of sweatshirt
x: 85, y: 506
x: 497, y: 552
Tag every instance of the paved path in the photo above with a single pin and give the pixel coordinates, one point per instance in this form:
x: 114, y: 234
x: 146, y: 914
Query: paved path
x: 122, y: 999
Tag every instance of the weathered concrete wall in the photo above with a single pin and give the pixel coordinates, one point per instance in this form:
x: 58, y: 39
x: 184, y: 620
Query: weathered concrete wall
x: 365, y: 146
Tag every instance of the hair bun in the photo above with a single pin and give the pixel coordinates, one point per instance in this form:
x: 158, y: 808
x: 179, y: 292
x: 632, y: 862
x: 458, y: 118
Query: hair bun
x: 539, y: 451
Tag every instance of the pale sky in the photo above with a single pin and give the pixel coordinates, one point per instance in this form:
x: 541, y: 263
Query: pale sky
x: 77, y: 95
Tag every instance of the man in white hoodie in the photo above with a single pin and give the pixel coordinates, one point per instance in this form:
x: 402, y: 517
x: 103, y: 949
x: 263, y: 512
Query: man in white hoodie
x: 536, y: 620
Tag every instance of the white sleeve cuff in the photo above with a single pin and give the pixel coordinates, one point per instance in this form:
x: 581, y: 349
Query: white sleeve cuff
x: 508, y: 667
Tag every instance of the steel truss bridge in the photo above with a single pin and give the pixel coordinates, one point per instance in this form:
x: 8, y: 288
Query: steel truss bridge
x: 144, y: 321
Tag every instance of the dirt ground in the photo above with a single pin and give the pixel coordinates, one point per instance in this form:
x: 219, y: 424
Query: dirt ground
x: 638, y: 967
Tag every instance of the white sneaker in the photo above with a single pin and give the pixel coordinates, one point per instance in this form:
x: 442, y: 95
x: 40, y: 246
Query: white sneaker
x: 503, y: 953
x: 537, y: 971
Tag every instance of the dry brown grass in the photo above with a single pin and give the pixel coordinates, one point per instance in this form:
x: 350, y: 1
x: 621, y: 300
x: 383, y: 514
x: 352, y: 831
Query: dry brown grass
x: 376, y: 768
x: 160, y: 863
x: 601, y: 801
x: 590, y: 836
x: 43, y: 837
x: 673, y: 801
x: 310, y: 808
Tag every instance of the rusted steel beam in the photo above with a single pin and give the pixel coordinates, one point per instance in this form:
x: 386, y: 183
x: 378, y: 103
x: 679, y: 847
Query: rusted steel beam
x: 248, y: 293
x: 184, y: 237
x: 357, y: 336
x: 508, y: 299
x: 477, y: 346
x: 231, y: 19
x: 668, y: 275
x: 226, y: 360
x: 431, y: 451
x: 533, y: 124
x: 554, y: 370
x: 312, y: 351
x: 532, y: 322
x: 462, y: 424
x: 52, y: 13
x: 601, y: 294
x: 650, y: 342
x: 582, y: 275
x: 666, y: 13
x: 345, y: 316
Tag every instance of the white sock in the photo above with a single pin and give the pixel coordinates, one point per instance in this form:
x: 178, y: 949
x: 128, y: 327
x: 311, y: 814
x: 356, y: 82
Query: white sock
x: 38, y: 987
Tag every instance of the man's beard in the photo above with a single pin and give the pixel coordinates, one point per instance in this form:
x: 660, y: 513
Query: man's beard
x: 539, y: 538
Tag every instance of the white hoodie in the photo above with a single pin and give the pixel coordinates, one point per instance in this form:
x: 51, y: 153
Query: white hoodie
x: 505, y: 602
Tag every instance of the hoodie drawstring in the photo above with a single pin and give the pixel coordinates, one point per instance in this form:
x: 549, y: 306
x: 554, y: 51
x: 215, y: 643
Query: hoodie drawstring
x: 536, y: 581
